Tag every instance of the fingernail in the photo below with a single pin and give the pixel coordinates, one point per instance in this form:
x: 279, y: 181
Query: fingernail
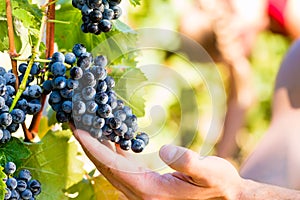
x: 168, y: 153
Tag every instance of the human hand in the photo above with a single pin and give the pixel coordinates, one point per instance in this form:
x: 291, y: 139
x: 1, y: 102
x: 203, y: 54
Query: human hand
x: 195, y: 177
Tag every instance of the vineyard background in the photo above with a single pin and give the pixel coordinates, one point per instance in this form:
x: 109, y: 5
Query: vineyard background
x: 57, y: 160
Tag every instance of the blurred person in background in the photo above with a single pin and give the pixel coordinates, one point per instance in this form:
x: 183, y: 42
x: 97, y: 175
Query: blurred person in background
x: 227, y: 30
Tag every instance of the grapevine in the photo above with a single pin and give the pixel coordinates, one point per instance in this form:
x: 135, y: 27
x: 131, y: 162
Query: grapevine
x: 75, y: 85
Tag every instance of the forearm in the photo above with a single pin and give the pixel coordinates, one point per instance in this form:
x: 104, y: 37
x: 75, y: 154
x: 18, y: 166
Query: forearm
x: 252, y: 190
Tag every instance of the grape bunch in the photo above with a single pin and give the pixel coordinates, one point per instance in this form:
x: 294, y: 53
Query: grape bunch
x: 85, y: 96
x: 21, y: 186
x: 29, y: 102
x: 97, y: 14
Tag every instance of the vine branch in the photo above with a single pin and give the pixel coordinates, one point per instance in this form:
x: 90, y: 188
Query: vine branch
x: 50, y: 31
x: 12, y: 48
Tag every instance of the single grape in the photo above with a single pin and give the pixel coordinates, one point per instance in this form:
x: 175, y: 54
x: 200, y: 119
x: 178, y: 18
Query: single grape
x: 22, y: 68
x: 91, y: 107
x: 98, y: 122
x: 21, y: 185
x: 13, y: 127
x: 66, y: 93
x: 70, y: 58
x: 129, y: 134
x: 72, y: 84
x: 108, y: 14
x: 95, y: 15
x: 114, y: 2
x: 87, y: 120
x: 78, y: 49
x: 101, y: 86
x: 35, y: 68
x: 10, y: 78
x: 143, y: 136
x: 120, y: 114
x: 88, y: 93
x: 34, y: 91
x: 18, y: 115
x: 101, y: 98
x: 117, y: 11
x: 54, y: 97
x: 96, y: 133
x: 79, y: 108
x: 110, y: 82
x: 76, y: 73
x: 25, y: 175
x: 11, y: 183
x: 105, y: 25
x: 114, y: 122
x: 33, y: 107
x: 14, y: 195
x: 125, y: 144
x: 104, y: 111
x: 99, y: 72
x: 84, y: 61
x: 5, y: 119
x: 93, y: 27
x: 85, y: 10
x: 9, y: 167
x: 34, y: 186
x: 59, y: 82
x: 58, y: 69
x: 121, y: 130
x: 10, y: 90
x: 67, y: 106
x: 58, y: 57
x: 137, y: 145
x: 62, y: 117
x: 26, y: 194
x: 94, y: 3
x: 7, y: 194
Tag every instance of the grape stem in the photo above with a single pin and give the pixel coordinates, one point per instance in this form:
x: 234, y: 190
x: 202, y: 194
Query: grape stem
x: 50, y: 31
x: 12, y: 48
x: 35, y: 60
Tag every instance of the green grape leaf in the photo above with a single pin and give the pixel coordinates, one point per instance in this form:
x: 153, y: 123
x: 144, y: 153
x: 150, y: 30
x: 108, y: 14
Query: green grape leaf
x: 15, y: 150
x: 129, y: 88
x: 104, y: 190
x: 44, y: 127
x: 135, y: 2
x: 82, y: 190
x: 55, y: 164
x: 2, y: 184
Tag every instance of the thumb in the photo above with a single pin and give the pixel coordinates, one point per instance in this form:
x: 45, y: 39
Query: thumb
x: 188, y: 161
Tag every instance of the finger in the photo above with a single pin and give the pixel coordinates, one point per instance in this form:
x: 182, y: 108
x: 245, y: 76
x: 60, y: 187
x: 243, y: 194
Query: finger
x: 190, y: 163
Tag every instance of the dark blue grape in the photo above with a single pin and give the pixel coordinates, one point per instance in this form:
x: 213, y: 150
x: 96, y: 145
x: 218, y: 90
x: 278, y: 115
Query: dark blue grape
x: 79, y: 108
x: 87, y: 120
x: 105, y: 25
x: 129, y: 134
x: 85, y: 10
x: 72, y: 84
x: 101, y: 86
x: 26, y: 194
x: 11, y: 183
x: 67, y: 106
x: 104, y: 111
x: 18, y: 116
x: 4, y: 109
x: 2, y: 102
x: 127, y: 110
x: 22, y: 104
x: 125, y: 144
x: 2, y: 71
x: 84, y: 27
x: 6, y: 136
x: 5, y: 119
x: 84, y: 62
x: 117, y: 11
x: 114, y: 122
x: 47, y: 86
x: 76, y: 73
x: 56, y: 106
x: 22, y: 68
x: 21, y: 185
x: 101, y: 98
x: 78, y: 49
x: 110, y: 82
x: 58, y: 69
x: 93, y: 28
x: 88, y: 93
x: 114, y: 2
x: 91, y: 107
x: 25, y: 175
x: 143, y: 136
x: 106, y: 130
x: 94, y: 3
x: 70, y: 58
x: 33, y: 108
x: 7, y: 194
x: 95, y: 16
x: 10, y: 90
x: 10, y: 78
x: 121, y: 130
x: 13, y: 127
x: 120, y: 114
x: 66, y: 93
x: 58, y: 57
x: 108, y: 14
x: 101, y: 61
x: 2, y: 89
x: 120, y: 105
x: 14, y: 195
x: 98, y: 122
x: 137, y: 145
x: 54, y: 97
x: 35, y: 68
x: 99, y: 72
x: 59, y: 82
x: 2, y: 80
x: 10, y: 168
x: 62, y: 117
x: 34, y: 186
x: 34, y: 91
